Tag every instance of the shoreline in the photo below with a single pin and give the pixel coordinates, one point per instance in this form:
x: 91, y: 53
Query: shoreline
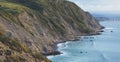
x: 77, y: 38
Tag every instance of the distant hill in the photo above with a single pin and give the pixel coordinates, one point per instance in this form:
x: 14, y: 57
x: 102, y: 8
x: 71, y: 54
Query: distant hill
x: 105, y: 17
x: 102, y: 18
x: 108, y: 18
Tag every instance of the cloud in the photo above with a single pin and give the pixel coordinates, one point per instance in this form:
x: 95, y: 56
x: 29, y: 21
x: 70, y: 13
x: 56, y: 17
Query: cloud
x: 99, y: 5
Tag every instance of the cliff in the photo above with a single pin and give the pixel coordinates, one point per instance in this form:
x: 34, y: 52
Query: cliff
x: 30, y: 28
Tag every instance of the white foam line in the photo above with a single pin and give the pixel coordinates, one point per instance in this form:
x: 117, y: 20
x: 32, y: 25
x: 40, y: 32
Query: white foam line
x: 109, y: 28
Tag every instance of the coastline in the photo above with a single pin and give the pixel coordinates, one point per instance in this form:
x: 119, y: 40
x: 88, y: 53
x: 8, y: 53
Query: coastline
x: 102, y: 47
x: 56, y: 52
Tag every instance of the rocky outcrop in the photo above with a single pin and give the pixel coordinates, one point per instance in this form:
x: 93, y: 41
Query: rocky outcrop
x: 32, y: 28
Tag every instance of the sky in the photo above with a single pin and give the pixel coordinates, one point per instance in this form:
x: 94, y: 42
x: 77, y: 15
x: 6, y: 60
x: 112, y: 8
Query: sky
x: 99, y: 6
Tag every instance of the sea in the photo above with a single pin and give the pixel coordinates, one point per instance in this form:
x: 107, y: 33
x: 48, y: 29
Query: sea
x: 95, y: 48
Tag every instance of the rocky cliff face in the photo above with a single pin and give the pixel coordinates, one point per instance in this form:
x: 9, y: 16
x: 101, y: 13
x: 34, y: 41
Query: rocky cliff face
x: 29, y: 28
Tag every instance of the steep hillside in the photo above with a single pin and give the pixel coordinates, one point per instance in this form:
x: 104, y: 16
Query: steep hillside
x: 30, y: 28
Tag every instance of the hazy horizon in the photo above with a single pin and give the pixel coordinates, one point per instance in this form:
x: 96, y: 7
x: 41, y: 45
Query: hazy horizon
x: 99, y: 6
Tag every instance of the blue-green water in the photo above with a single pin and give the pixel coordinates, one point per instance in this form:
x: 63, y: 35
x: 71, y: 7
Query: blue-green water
x: 97, y: 48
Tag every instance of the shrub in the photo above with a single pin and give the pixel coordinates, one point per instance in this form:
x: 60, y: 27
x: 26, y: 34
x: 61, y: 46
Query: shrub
x: 13, y: 44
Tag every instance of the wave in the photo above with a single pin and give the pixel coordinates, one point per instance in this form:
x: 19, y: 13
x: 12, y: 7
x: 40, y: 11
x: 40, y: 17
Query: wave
x: 109, y: 28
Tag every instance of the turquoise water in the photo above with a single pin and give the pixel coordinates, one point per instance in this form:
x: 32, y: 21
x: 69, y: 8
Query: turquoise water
x: 96, y: 48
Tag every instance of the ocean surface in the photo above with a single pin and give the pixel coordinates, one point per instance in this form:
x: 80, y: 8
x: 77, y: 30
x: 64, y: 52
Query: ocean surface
x: 95, y: 48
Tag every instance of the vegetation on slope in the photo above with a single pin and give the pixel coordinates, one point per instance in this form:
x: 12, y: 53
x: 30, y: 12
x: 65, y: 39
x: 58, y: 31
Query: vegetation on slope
x: 29, y: 28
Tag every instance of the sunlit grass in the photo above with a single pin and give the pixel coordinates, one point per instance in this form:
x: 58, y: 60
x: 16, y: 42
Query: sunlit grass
x: 12, y: 6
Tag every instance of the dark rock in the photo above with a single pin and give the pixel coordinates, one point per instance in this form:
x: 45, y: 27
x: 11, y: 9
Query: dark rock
x: 52, y: 53
x: 91, y: 40
x: 1, y: 52
x: 81, y: 52
x: 101, y: 31
x: 28, y: 43
x: 8, y: 52
x: 8, y: 34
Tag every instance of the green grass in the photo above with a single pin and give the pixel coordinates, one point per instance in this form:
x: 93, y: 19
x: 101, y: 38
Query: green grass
x: 13, y: 6
x: 11, y: 11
